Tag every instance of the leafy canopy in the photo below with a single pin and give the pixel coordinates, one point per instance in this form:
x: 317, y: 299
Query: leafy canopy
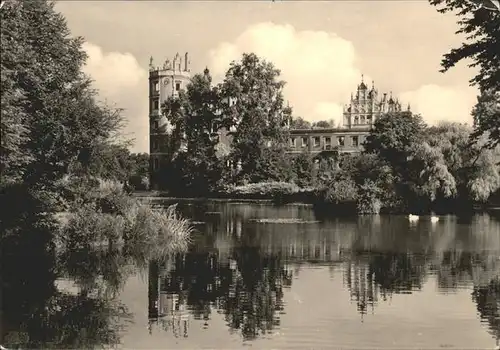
x: 50, y: 115
x: 253, y: 106
x: 195, y: 116
x: 481, y: 27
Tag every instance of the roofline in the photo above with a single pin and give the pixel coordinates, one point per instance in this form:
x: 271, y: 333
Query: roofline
x: 329, y: 130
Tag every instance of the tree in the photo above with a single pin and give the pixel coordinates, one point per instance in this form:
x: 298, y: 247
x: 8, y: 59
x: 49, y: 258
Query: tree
x: 482, y: 28
x: 431, y: 177
x: 324, y: 124
x: 50, y: 116
x: 474, y: 167
x: 393, y: 136
x: 303, y: 167
x: 139, y: 177
x: 252, y: 103
x: 300, y: 123
x: 195, y: 115
x: 486, y: 115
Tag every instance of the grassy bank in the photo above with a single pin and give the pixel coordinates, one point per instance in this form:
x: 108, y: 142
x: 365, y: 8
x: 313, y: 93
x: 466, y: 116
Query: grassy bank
x: 108, y: 216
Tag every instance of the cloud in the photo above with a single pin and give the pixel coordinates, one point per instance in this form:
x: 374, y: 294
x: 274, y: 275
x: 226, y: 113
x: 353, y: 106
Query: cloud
x: 322, y: 69
x: 122, y: 82
x: 440, y: 103
x: 319, y: 67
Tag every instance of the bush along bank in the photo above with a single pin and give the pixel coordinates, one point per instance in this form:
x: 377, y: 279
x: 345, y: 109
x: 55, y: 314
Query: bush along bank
x: 345, y: 197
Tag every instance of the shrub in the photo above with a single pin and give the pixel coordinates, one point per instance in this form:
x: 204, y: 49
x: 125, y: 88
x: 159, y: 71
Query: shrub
x: 368, y: 199
x: 341, y: 191
x: 139, y: 183
x: 108, y: 214
x: 163, y: 228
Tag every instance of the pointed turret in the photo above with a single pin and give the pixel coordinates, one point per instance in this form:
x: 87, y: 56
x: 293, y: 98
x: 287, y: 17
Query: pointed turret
x: 373, y: 93
x: 362, y: 86
x: 391, y: 100
x: 186, y: 62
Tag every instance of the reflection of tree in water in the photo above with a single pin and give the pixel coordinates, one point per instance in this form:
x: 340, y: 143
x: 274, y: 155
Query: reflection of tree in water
x: 398, y: 272
x: 256, y: 293
x: 95, y: 269
x: 455, y: 268
x: 35, y: 313
x: 369, y: 276
x: 487, y: 298
x: 247, y: 288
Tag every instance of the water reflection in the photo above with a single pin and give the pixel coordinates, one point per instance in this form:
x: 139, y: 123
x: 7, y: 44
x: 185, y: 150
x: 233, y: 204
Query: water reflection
x: 487, y: 298
x: 250, y: 275
x: 245, y: 286
x: 240, y: 267
x: 37, y: 313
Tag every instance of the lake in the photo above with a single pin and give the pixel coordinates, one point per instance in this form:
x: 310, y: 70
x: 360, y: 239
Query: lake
x: 270, y: 277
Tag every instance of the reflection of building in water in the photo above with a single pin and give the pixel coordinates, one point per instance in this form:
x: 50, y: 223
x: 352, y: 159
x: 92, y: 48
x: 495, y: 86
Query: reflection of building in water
x: 164, y: 308
x: 312, y: 250
x: 234, y: 227
x: 363, y: 289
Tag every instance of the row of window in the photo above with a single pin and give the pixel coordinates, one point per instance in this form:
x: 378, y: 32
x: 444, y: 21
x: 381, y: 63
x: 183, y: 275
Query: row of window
x: 155, y: 86
x: 327, y: 141
x: 340, y: 141
x: 362, y: 120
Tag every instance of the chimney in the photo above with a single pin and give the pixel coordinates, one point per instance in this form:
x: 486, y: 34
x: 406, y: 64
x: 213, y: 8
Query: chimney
x: 186, y: 62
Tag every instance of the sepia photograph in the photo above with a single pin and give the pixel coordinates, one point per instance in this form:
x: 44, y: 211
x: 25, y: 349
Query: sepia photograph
x: 265, y: 174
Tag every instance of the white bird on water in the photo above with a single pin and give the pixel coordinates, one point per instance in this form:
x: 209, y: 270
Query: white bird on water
x: 413, y: 218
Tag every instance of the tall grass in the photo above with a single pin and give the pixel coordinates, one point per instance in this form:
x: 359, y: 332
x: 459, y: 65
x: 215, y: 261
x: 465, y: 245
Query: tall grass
x: 106, y: 214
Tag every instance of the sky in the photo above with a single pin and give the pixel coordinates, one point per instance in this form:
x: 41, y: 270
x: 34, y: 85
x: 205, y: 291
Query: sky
x: 321, y: 48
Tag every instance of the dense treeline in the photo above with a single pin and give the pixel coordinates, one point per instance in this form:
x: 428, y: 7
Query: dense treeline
x: 406, y: 165
x: 61, y: 168
x: 53, y: 125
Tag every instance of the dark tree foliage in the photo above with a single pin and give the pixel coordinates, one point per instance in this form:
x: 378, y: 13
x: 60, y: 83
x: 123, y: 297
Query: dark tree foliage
x: 300, y: 123
x: 486, y: 115
x: 324, y: 124
x: 252, y: 103
x: 50, y: 116
x: 196, y: 120
x: 481, y: 25
x: 482, y: 29
x: 393, y: 137
x: 303, y: 167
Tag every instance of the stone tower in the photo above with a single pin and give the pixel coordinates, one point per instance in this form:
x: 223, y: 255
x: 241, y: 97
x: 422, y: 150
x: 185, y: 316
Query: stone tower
x: 366, y: 106
x: 165, y: 81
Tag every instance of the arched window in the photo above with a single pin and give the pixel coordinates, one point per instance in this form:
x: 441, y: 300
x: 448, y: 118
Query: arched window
x: 356, y: 120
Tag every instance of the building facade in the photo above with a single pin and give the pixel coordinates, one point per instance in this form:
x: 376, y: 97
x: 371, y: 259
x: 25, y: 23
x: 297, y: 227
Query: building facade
x: 358, y: 118
x: 173, y: 76
x: 164, y: 81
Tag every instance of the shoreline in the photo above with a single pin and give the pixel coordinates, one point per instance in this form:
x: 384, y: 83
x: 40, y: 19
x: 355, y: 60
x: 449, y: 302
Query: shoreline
x: 160, y: 195
x: 216, y: 199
